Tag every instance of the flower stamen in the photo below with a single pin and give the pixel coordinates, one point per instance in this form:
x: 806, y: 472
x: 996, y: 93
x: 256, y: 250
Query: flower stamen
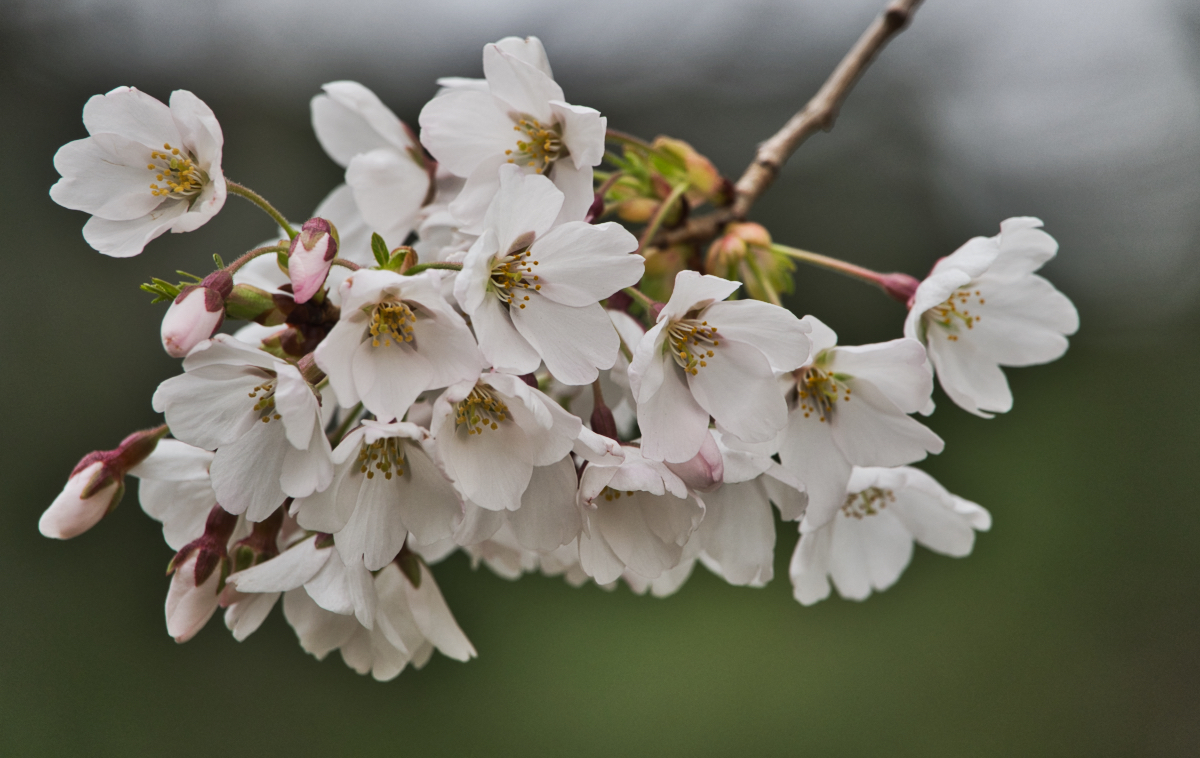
x: 950, y: 314
x: 182, y: 178
x: 480, y: 410
x: 691, y: 342
x: 819, y: 391
x: 541, y: 146
x: 264, y: 395
x: 393, y: 322
x: 514, y: 272
x: 385, y: 456
x: 869, y: 502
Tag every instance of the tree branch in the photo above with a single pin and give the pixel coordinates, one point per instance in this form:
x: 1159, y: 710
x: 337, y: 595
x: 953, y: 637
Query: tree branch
x: 818, y: 114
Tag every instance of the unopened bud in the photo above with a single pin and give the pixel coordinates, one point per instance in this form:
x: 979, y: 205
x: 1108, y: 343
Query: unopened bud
x: 260, y: 546
x: 900, y: 287
x: 96, y: 486
x: 596, y: 210
x: 637, y: 210
x: 310, y: 256
x: 249, y: 303
x: 704, y: 472
x: 198, y: 576
x: 705, y: 182
x: 196, y: 314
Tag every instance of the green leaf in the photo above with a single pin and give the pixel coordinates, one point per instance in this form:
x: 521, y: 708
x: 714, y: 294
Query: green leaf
x: 380, y: 249
x: 217, y: 260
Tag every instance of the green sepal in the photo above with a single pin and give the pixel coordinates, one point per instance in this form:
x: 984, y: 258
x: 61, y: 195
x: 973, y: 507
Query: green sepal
x: 380, y: 249
x: 249, y: 303
x: 410, y: 563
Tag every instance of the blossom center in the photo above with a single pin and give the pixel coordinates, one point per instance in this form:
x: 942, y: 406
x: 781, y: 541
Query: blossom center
x: 538, y: 146
x: 869, y: 502
x: 610, y: 494
x: 953, y: 313
x: 391, y: 322
x: 818, y: 392
x: 385, y: 456
x: 513, y: 273
x: 182, y: 179
x: 264, y: 397
x: 691, y: 341
x: 480, y: 410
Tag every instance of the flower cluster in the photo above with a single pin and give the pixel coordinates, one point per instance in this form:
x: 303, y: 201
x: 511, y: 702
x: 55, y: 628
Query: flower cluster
x: 457, y: 353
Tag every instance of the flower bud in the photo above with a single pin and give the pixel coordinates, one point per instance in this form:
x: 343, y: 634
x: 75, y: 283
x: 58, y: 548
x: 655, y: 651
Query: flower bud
x: 900, y: 287
x: 637, y: 210
x: 96, y: 486
x: 72, y: 513
x: 261, y: 545
x: 198, y: 576
x: 249, y: 303
x: 704, y: 472
x: 310, y: 256
x: 705, y: 182
x: 195, y: 314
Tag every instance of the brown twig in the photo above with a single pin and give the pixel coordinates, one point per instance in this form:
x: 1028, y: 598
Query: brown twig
x: 818, y: 114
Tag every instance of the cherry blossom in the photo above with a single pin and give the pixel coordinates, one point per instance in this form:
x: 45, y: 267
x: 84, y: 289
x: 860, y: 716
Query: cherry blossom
x: 396, y: 338
x: 259, y: 414
x: 385, y: 168
x: 868, y: 544
x: 532, y: 287
x: 851, y: 409
x: 146, y: 168
x: 385, y: 487
x: 492, y: 433
x: 983, y: 307
x: 707, y: 357
x: 516, y: 116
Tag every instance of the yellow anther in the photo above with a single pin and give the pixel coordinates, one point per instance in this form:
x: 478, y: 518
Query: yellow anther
x: 869, y: 502
x: 391, y: 321
x: 480, y: 410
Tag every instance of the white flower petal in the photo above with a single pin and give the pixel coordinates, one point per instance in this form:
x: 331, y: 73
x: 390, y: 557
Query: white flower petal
x: 673, y: 424
x: 739, y: 390
x: 580, y: 264
x: 389, y: 189
x: 574, y: 342
x: 522, y: 86
x: 773, y: 331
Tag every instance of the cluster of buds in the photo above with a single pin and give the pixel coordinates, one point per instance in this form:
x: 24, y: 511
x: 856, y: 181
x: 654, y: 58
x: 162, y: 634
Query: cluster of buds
x: 458, y: 352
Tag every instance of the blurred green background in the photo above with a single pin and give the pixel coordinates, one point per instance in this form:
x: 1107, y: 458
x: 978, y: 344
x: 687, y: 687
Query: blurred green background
x: 1070, y: 631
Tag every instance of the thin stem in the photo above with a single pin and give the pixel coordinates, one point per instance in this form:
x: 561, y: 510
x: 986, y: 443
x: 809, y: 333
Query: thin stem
x: 345, y: 264
x: 597, y: 394
x: 345, y: 425
x: 818, y: 114
x: 641, y: 297
x: 833, y: 264
x: 425, y: 266
x: 242, y: 191
x: 612, y: 135
x: 656, y: 221
x: 612, y: 179
x: 243, y: 260
x: 768, y: 289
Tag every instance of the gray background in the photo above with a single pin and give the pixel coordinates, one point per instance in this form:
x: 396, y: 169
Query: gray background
x: 1070, y: 631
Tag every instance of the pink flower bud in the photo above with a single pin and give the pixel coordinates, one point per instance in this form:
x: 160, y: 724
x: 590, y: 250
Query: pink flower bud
x: 704, y: 472
x: 96, y: 486
x: 310, y: 256
x: 900, y: 287
x: 80, y: 506
x: 193, y: 317
x: 198, y: 576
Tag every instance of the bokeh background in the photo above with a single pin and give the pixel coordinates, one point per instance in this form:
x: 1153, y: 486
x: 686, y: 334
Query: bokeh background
x: 1072, y: 630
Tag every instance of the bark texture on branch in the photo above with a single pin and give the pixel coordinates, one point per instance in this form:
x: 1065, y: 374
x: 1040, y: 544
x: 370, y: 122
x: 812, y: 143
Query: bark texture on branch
x: 818, y: 114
